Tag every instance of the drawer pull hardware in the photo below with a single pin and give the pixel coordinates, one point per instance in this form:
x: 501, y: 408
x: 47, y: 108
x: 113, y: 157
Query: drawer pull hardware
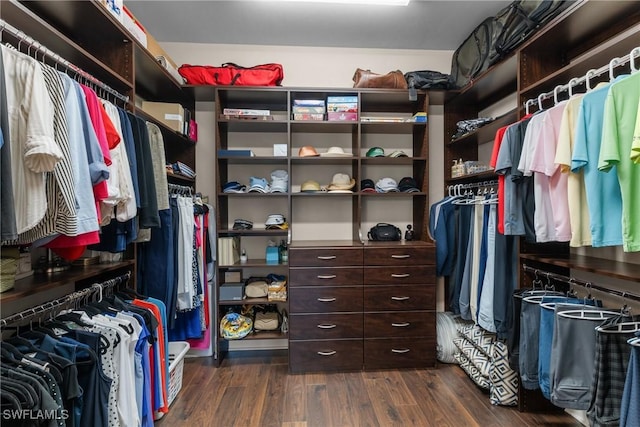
x: 326, y: 299
x: 328, y: 353
x: 400, y: 325
x: 399, y: 298
x: 326, y: 258
x: 401, y: 256
x: 327, y: 276
x: 400, y: 350
x: 327, y: 326
x: 400, y: 276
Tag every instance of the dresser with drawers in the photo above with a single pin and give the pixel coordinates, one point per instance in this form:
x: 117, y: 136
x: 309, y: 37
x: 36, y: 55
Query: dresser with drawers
x: 355, y: 306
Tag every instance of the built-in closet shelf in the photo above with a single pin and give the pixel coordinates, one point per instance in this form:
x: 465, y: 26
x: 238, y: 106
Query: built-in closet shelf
x: 262, y: 335
x: 255, y: 160
x: 167, y: 131
x: 324, y: 160
x: 324, y: 194
x: 180, y: 178
x: 596, y: 57
x: 487, y: 132
x: 252, y: 195
x: 248, y: 125
x: 494, y: 84
x: 393, y: 194
x: 43, y: 282
x: 324, y: 126
x: 369, y: 127
x: 392, y: 160
x: 474, y: 177
x: 19, y: 16
x: 256, y: 262
x: 248, y: 301
x: 601, y: 266
x: 253, y: 232
x: 154, y: 83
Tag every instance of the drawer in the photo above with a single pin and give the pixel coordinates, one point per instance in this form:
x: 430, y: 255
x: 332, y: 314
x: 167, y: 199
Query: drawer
x: 325, y: 276
x: 325, y: 326
x: 325, y: 257
x: 400, y: 255
x: 399, y: 298
x: 395, y: 353
x: 400, y: 275
x: 400, y: 324
x: 325, y: 299
x: 319, y: 356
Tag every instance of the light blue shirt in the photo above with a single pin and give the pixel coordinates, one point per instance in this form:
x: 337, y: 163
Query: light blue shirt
x: 603, y: 190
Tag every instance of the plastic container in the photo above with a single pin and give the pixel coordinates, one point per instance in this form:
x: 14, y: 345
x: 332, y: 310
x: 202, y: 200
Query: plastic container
x: 177, y: 351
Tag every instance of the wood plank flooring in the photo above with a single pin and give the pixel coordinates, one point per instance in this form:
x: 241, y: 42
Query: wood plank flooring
x: 254, y: 389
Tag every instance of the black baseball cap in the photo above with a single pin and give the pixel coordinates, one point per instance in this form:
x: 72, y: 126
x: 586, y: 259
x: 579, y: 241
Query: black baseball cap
x: 242, y: 224
x: 367, y: 186
x: 408, y: 185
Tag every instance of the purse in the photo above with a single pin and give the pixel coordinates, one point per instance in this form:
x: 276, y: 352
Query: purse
x: 383, y: 232
x: 391, y: 80
x: 256, y: 287
x: 266, y: 321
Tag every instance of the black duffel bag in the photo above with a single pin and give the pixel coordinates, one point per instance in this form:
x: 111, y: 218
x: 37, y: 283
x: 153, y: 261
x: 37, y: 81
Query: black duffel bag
x: 383, y: 232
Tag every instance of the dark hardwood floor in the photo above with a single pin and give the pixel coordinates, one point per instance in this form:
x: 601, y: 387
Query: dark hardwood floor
x: 255, y: 389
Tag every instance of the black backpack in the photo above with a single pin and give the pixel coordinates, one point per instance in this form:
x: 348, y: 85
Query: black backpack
x: 427, y: 79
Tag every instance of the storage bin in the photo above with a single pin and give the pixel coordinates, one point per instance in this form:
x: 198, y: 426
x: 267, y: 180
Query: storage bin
x: 177, y: 351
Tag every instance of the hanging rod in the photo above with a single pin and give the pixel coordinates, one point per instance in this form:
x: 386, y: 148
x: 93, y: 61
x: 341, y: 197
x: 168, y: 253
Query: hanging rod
x: 615, y: 62
x: 5, y: 26
x: 180, y: 188
x: 583, y: 283
x: 40, y: 310
x: 474, y: 184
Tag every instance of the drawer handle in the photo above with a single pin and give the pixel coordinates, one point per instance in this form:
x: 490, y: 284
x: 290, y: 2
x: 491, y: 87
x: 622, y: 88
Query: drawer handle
x: 400, y: 276
x: 400, y: 298
x: 327, y: 257
x: 328, y: 353
x: 327, y: 326
x: 326, y: 299
x: 400, y: 350
x: 327, y: 276
x: 405, y: 256
x: 400, y: 325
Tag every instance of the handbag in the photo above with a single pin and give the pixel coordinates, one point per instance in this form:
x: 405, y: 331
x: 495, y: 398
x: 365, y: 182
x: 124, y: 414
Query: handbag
x: 383, y: 232
x: 391, y: 80
x: 256, y: 287
x: 230, y: 74
x: 266, y: 321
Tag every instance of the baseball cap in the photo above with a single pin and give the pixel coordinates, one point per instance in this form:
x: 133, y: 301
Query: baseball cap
x: 408, y: 185
x: 307, y: 151
x: 341, y: 182
x: 233, y: 187
x: 375, y: 152
x: 398, y: 153
x: 367, y: 186
x: 258, y: 185
x: 386, y: 185
x: 336, y: 152
x: 242, y: 224
x: 276, y: 221
x: 279, y: 181
x: 310, y: 186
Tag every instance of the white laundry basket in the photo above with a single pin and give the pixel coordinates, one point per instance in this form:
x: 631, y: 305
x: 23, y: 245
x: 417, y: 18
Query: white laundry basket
x: 177, y: 351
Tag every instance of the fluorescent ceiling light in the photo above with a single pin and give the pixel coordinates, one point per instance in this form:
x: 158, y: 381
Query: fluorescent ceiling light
x: 363, y: 2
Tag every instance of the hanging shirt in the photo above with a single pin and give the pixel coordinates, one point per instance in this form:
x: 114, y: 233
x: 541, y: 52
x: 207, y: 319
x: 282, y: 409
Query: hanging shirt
x: 635, y: 145
x: 34, y: 150
x: 620, y: 113
x: 576, y: 193
x: 494, y: 158
x: 7, y: 214
x: 603, y: 190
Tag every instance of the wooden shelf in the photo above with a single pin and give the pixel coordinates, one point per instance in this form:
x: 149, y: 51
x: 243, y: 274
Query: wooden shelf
x: 253, y: 232
x: 181, y: 178
x: 264, y: 335
x: 42, y: 282
x: 487, y: 132
x: 601, y: 266
x: 254, y: 301
x: 164, y: 128
x: 255, y: 263
x: 242, y: 160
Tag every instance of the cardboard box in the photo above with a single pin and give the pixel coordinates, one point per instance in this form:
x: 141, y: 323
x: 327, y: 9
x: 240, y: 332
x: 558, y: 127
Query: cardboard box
x: 169, y: 114
x: 156, y: 50
x: 342, y: 117
x: 114, y: 7
x: 134, y: 27
x: 308, y: 116
x: 233, y: 276
x: 232, y: 291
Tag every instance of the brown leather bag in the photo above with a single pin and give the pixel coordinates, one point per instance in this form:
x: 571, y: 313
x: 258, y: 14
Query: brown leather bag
x: 392, y: 80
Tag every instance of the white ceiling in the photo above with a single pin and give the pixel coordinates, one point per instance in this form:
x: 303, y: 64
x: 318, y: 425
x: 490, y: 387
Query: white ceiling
x: 423, y: 24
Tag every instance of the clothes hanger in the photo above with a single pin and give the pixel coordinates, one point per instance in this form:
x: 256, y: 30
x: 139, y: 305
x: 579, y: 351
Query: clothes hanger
x: 540, y: 99
x: 620, y: 328
x: 634, y: 342
x: 632, y: 59
x: 527, y: 104
x: 612, y: 64
x: 588, y: 314
x: 556, y: 92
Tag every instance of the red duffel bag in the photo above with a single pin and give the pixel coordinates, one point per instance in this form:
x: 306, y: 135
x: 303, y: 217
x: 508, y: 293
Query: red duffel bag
x: 230, y: 74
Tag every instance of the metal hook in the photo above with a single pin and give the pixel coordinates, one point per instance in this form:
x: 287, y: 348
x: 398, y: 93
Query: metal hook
x: 612, y: 64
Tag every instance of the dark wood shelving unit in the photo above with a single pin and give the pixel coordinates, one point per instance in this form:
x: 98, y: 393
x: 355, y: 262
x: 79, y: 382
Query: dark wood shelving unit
x: 487, y: 132
x: 603, y: 267
x: 473, y: 177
